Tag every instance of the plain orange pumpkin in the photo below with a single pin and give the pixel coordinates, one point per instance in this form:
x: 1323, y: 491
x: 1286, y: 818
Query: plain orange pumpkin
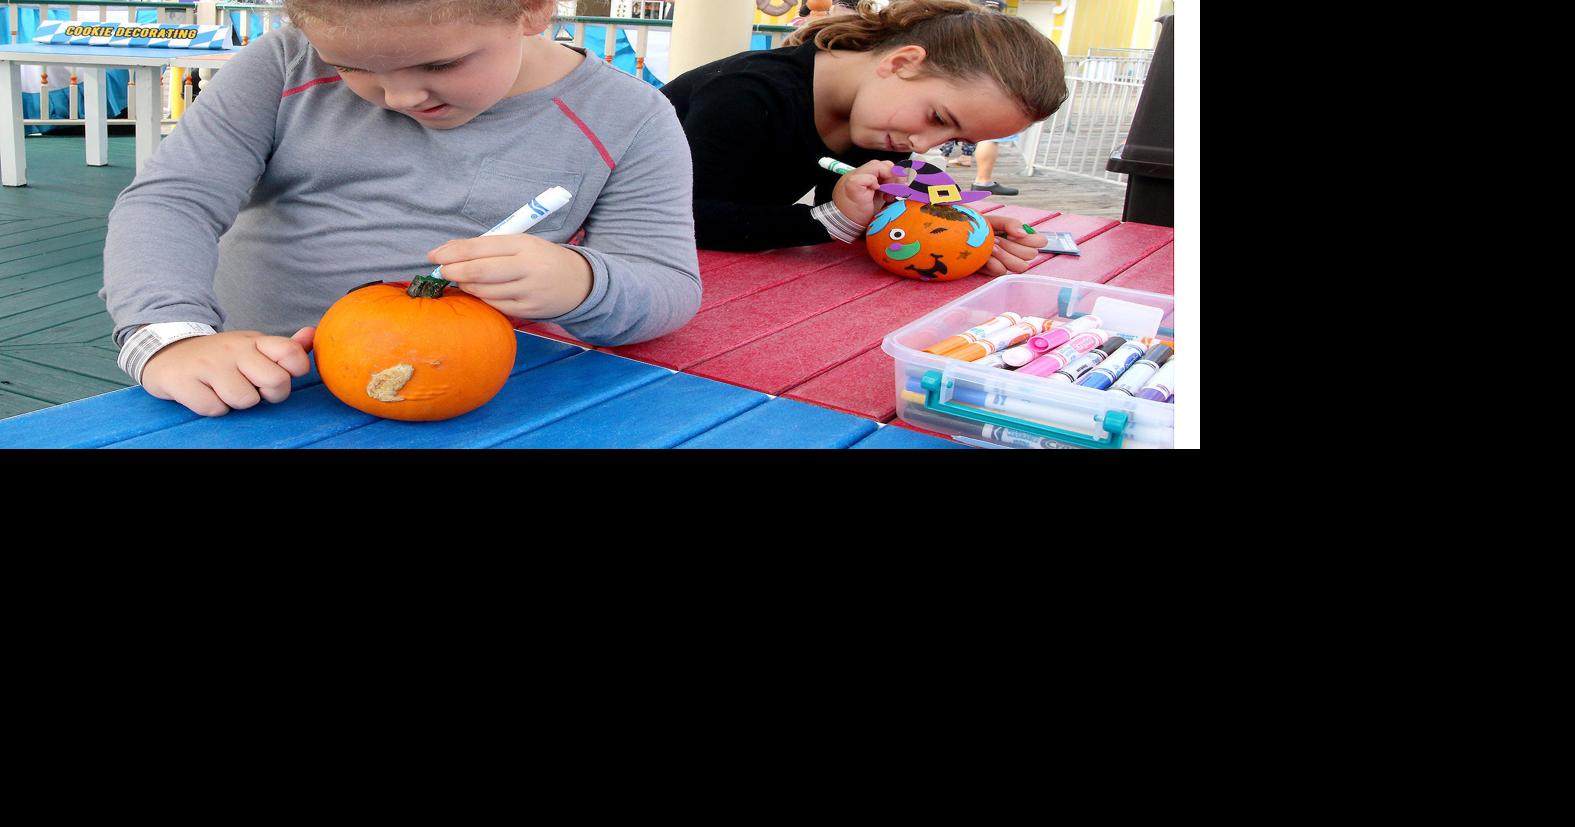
x: 417, y: 359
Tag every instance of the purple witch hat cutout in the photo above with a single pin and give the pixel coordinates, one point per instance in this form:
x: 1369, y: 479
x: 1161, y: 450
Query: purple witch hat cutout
x: 931, y: 186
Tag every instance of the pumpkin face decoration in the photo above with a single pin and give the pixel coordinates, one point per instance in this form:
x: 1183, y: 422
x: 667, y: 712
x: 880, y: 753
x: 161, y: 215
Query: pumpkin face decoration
x: 421, y: 358
x: 928, y: 234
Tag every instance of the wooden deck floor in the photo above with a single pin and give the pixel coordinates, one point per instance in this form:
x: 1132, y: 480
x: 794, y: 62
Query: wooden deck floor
x: 55, y: 344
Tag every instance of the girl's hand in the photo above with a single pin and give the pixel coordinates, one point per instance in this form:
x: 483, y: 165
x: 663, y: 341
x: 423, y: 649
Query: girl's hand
x: 1014, y: 247
x: 523, y: 276
x: 857, y: 195
x: 234, y: 370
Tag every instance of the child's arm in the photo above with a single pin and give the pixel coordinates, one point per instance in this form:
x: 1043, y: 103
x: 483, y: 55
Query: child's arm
x: 637, y: 275
x: 162, y: 247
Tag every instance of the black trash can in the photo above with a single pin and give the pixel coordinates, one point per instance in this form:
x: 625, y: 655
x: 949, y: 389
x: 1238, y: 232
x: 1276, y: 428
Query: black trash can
x: 1148, y: 156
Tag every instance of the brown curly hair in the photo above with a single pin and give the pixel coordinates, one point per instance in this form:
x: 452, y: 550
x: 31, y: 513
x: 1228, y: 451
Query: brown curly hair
x: 962, y: 41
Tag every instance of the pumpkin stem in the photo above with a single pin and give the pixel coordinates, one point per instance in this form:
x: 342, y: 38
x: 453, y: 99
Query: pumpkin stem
x: 426, y: 287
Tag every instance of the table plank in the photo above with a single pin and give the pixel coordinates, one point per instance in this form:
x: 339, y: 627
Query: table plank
x: 530, y: 400
x: 1156, y: 273
x: 1082, y: 227
x: 647, y: 417
x: 737, y: 323
x: 784, y: 423
x: 1107, y: 253
x: 864, y: 385
x: 770, y: 269
x: 132, y: 413
x: 309, y: 415
x: 891, y: 436
x: 790, y: 357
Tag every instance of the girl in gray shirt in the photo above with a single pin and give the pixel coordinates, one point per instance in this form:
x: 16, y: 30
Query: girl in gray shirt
x: 370, y: 140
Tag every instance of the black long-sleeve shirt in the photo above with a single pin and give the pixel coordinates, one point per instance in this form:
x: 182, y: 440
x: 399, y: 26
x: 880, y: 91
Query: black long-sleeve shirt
x: 750, y: 120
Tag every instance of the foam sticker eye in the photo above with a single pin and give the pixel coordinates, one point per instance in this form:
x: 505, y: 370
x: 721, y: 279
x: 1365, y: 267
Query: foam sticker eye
x: 898, y: 234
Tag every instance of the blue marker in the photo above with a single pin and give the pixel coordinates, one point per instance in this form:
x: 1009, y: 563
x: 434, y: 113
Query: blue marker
x: 1114, y: 365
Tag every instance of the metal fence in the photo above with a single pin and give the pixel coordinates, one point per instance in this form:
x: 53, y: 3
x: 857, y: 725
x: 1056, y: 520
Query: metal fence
x: 1096, y: 117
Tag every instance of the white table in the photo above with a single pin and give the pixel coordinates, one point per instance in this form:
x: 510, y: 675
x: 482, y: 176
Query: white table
x: 146, y: 64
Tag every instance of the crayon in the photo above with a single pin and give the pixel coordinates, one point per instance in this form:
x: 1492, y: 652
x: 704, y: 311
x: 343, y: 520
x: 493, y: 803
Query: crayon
x: 833, y: 165
x: 1159, y: 388
x: 997, y: 341
x: 1133, y: 379
x: 1075, y: 369
x: 1114, y: 365
x: 1058, y: 358
x: 974, y: 334
x: 1061, y: 334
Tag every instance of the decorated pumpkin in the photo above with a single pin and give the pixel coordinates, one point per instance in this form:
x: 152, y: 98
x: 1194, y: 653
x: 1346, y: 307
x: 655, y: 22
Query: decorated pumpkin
x: 927, y: 233
x: 415, y: 351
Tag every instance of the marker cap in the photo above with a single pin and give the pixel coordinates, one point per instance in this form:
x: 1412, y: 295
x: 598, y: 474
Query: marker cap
x: 1112, y: 344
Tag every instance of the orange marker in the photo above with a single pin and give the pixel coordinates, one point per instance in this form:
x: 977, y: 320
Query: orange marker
x: 974, y: 334
x: 1016, y: 334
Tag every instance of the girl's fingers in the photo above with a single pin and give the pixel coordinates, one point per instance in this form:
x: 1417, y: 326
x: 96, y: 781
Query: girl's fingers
x: 487, y: 246
x: 497, y: 270
x: 1011, y: 262
x: 271, y: 381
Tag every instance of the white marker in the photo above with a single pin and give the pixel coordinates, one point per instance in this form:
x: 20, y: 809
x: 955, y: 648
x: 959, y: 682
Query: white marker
x: 525, y: 217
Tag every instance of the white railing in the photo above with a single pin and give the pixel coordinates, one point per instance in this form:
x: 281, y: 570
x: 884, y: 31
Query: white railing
x: 1092, y: 123
x: 94, y: 12
x: 1097, y: 67
x: 270, y: 12
x: 639, y: 31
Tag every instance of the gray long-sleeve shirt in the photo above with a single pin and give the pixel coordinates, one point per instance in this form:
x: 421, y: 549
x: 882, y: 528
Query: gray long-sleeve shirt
x: 281, y: 190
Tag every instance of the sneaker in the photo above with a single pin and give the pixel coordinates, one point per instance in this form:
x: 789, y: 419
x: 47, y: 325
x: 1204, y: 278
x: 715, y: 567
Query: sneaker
x: 996, y: 188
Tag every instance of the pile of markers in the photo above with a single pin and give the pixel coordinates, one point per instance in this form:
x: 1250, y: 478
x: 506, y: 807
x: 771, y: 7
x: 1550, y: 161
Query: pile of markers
x: 1076, y: 351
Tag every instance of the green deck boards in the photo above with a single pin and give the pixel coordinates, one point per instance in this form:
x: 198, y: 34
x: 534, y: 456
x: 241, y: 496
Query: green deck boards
x: 55, y: 342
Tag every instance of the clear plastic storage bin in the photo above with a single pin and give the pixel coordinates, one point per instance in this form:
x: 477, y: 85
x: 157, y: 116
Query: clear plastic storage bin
x: 995, y: 407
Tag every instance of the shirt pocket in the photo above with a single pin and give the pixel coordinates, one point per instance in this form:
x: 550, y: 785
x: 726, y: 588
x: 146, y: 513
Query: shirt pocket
x: 502, y: 187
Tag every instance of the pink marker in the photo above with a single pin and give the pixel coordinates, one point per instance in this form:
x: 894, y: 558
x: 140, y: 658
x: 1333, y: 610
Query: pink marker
x: 1058, y: 358
x: 1060, y: 334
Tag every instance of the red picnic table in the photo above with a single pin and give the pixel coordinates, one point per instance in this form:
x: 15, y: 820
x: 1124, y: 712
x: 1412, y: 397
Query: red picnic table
x: 806, y: 323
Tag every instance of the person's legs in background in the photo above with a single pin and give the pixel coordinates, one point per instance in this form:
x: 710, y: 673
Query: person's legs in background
x: 967, y: 155
x: 984, y: 178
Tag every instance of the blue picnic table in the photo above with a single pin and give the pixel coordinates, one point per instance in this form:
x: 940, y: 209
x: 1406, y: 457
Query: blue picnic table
x: 559, y: 395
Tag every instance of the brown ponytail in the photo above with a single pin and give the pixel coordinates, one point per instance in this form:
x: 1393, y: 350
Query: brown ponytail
x: 962, y: 41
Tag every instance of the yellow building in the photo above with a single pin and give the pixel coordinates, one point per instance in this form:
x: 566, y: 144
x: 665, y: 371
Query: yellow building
x: 1079, y: 25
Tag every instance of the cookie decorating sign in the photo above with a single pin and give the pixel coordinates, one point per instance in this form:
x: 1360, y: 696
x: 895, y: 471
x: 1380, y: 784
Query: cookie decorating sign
x: 147, y: 35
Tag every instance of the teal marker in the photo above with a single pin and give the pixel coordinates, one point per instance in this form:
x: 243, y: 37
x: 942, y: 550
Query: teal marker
x: 836, y: 166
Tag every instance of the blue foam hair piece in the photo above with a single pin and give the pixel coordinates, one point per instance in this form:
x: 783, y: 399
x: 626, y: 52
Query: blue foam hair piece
x: 889, y: 215
x: 981, y: 228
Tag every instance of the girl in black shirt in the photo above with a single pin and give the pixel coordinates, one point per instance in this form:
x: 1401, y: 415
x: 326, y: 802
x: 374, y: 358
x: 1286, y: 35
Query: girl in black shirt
x: 867, y: 88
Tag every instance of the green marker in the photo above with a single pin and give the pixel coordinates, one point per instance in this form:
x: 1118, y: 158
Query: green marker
x: 836, y: 166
